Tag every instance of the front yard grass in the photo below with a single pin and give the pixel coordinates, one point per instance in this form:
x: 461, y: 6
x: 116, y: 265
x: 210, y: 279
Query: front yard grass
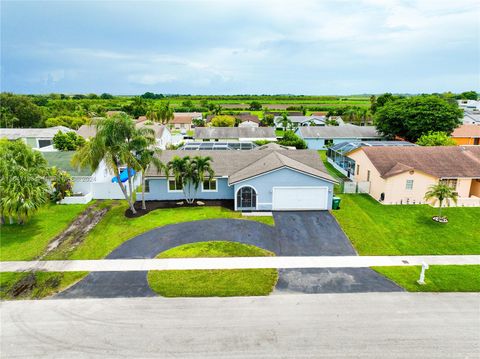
x: 44, y: 284
x: 115, y: 228
x: 376, y: 229
x: 25, y: 242
x: 438, y: 278
x: 213, y: 283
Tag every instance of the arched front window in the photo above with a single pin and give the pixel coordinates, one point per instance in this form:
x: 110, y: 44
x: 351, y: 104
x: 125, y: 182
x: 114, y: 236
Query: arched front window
x: 246, y: 198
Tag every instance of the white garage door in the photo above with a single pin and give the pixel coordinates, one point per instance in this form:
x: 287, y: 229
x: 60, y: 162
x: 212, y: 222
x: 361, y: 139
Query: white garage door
x: 299, y: 198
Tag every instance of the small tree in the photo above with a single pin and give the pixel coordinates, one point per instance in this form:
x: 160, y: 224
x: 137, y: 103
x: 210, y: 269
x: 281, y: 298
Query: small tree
x: 439, y: 193
x: 435, y: 139
x: 68, y: 141
x: 162, y: 114
x: 255, y: 106
x: 223, y: 121
x: 62, y: 184
x: 268, y: 120
x: 292, y: 140
x: 190, y: 172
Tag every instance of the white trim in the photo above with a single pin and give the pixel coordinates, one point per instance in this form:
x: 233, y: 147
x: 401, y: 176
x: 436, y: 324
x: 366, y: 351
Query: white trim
x: 281, y: 168
x: 239, y: 188
x: 211, y: 190
x: 299, y: 187
x: 172, y: 191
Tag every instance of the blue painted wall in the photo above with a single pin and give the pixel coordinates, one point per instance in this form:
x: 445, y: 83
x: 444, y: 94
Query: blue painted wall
x: 282, y: 178
x: 159, y: 191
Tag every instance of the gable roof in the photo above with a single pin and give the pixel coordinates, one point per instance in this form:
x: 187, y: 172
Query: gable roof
x: 470, y: 131
x: 239, y: 165
x: 87, y: 131
x: 185, y: 117
x: 15, y: 133
x: 61, y: 160
x: 344, y: 131
x: 234, y: 132
x: 156, y: 127
x: 440, y: 162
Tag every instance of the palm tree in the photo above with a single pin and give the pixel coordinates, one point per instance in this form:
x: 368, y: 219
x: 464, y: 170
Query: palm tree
x: 112, y: 145
x: 163, y: 114
x: 441, y: 192
x: 190, y: 172
x: 23, y: 186
x: 285, y: 121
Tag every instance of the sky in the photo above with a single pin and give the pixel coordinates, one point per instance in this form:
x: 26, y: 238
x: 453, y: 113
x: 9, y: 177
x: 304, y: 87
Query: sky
x: 299, y: 47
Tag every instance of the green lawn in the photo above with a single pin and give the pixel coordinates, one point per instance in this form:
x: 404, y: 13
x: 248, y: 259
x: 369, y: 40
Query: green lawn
x: 46, y: 283
x: 25, y: 242
x: 213, y: 283
x: 377, y: 229
x: 115, y: 228
x: 339, y: 176
x: 449, y: 278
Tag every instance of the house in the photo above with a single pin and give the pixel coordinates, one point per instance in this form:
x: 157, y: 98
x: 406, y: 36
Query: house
x: 469, y: 104
x: 298, y: 121
x: 229, y: 134
x: 162, y: 133
x: 338, y: 155
x: 471, y: 117
x: 183, y: 120
x: 34, y: 137
x: 244, y: 119
x: 467, y: 135
x: 256, y: 180
x: 322, y: 137
x: 87, y: 184
x: 402, y: 175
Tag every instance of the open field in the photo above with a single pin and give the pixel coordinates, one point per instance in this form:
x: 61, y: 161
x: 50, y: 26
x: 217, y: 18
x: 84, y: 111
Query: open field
x: 376, y: 229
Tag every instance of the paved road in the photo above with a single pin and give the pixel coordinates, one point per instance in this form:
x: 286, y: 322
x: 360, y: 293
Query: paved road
x: 308, y: 233
x: 388, y: 325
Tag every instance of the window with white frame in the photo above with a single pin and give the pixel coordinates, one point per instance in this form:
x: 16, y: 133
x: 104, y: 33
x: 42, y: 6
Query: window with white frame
x: 210, y: 185
x: 409, y: 184
x: 174, y: 185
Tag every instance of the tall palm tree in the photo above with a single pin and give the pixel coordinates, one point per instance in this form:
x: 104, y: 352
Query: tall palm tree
x: 439, y: 193
x: 162, y: 114
x: 190, y: 172
x: 111, y: 144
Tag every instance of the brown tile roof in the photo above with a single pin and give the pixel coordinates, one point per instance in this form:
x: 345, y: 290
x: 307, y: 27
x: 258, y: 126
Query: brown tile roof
x: 441, y: 162
x: 184, y: 117
x: 469, y: 131
x: 239, y: 165
x: 87, y: 131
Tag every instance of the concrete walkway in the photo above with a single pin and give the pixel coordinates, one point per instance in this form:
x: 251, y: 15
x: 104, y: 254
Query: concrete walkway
x: 128, y: 265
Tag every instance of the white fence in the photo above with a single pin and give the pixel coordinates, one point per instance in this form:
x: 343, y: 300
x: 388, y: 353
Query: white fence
x: 356, y: 187
x: 77, y: 199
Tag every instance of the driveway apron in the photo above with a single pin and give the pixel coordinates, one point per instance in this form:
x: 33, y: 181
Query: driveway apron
x: 308, y: 233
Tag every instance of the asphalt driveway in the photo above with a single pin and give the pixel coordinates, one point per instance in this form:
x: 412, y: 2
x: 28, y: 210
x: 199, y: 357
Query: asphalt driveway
x: 308, y: 233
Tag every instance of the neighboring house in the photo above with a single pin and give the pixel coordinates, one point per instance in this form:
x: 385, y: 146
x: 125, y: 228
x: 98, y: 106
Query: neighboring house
x: 246, y: 119
x: 402, y: 175
x: 298, y: 121
x: 262, y: 180
x: 322, y: 137
x: 88, y: 184
x: 471, y: 117
x: 467, y: 135
x: 229, y: 134
x: 162, y: 134
x: 34, y: 137
x: 338, y: 155
x: 469, y: 104
x: 183, y: 120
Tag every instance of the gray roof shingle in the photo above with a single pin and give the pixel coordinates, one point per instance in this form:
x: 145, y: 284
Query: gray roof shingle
x: 15, y: 133
x: 345, y: 131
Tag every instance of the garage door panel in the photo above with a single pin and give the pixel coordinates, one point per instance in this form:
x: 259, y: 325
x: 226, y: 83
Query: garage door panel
x: 299, y: 198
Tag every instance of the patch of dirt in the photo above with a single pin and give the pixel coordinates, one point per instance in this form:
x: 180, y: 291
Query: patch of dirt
x: 24, y: 285
x: 78, y: 229
x: 153, y: 205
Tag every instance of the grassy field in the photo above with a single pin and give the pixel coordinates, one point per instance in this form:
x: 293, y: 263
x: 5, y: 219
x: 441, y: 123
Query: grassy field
x: 25, y: 242
x: 449, y: 278
x: 46, y: 283
x: 213, y: 283
x: 115, y: 228
x: 377, y: 229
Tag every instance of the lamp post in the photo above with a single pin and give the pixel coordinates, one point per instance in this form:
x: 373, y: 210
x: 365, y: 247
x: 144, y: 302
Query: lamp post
x: 421, y: 280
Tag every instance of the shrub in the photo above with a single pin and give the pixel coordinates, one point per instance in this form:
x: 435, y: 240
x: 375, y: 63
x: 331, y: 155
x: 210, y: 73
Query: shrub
x: 68, y: 141
x: 223, y: 121
x: 291, y: 139
x: 62, y: 184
